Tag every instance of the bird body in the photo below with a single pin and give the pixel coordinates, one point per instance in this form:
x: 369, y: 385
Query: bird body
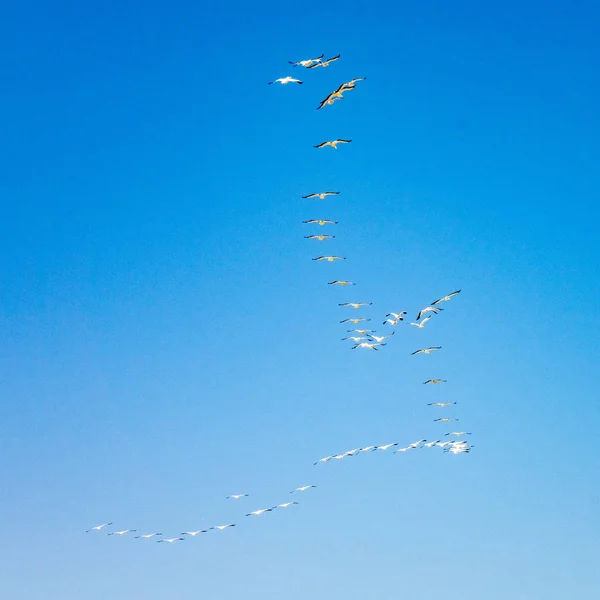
x: 433, y: 309
x: 259, y: 512
x: 325, y: 63
x: 330, y: 258
x: 426, y: 350
x: 171, y: 540
x: 385, y: 446
x: 319, y: 237
x: 356, y: 304
x: 303, y: 488
x: 321, y: 195
x: 236, y: 496
x: 194, y: 533
x: 285, y: 80
x: 397, y: 316
x: 372, y: 346
x: 147, y: 536
x: 321, y: 221
x: 286, y: 504
x: 380, y: 338
x: 98, y: 527
x: 122, y: 532
x: 342, y: 283
x: 445, y: 419
x: 355, y: 321
x: 459, y: 433
x: 445, y: 298
x: 221, y: 527
x: 355, y: 339
x: 392, y: 321
x: 440, y: 404
x: 434, y: 381
x: 306, y: 63
x: 333, y: 143
x: 422, y: 323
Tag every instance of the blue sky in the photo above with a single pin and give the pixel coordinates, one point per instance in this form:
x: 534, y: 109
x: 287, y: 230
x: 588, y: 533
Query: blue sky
x: 166, y: 339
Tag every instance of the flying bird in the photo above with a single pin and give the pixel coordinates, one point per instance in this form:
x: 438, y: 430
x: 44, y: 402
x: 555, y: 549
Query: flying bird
x: 385, y: 446
x: 306, y: 63
x: 98, y: 527
x: 425, y: 350
x: 236, y: 496
x: 416, y: 444
x: 355, y: 321
x: 324, y: 459
x: 321, y: 195
x: 319, y: 237
x: 440, y: 404
x: 445, y: 298
x: 392, y: 321
x: 330, y: 99
x: 286, y: 504
x: 259, y: 512
x: 350, y: 85
x: 380, y: 338
x: 422, y: 323
x: 367, y: 449
x: 355, y: 338
x: 445, y: 419
x: 434, y: 381
x: 303, y: 488
x: 221, y: 527
x: 342, y: 283
x: 321, y: 221
x: 333, y: 143
x: 397, y: 316
x: 459, y: 433
x: 361, y: 331
x: 325, y: 63
x: 356, y: 304
x: 147, y: 536
x: 171, y: 540
x: 122, y: 532
x: 370, y: 345
x: 330, y: 258
x: 405, y: 449
x: 431, y: 444
x: 285, y: 80
x: 433, y: 309
x: 194, y: 533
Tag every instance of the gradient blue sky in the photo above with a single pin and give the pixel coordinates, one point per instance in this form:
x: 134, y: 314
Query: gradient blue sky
x: 166, y: 339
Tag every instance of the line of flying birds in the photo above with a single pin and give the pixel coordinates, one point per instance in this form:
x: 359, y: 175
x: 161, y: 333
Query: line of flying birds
x: 365, y: 338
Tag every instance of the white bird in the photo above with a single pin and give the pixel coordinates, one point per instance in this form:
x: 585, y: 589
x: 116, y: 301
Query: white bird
x: 405, y: 449
x: 285, y: 80
x: 434, y: 381
x: 306, y: 63
x: 417, y: 444
x: 324, y: 63
x: 430, y: 444
x: 422, y: 323
x: 445, y: 298
x: 350, y: 85
x: 367, y: 449
x: 433, y: 309
x: 341, y: 283
x: 286, y: 504
x: 361, y: 331
x: 171, y: 540
x: 352, y: 452
x: 386, y: 446
x: 459, y: 433
x: 194, y: 533
x: 355, y: 320
x: 221, y: 527
x: 321, y: 195
x: 372, y: 346
x: 459, y: 449
x: 319, y: 237
x: 324, y: 459
x: 259, y: 511
x: 425, y: 350
x: 380, y: 338
x: 392, y: 321
x: 147, y: 536
x: 330, y: 99
x: 237, y: 496
x: 397, y: 316
x: 330, y: 258
x: 98, y: 527
x: 333, y: 143
x: 444, y: 444
x: 339, y: 456
x: 303, y: 488
x: 445, y: 419
x: 355, y: 339
x: 122, y: 532
x: 356, y: 304
x: 321, y: 221
x: 441, y: 404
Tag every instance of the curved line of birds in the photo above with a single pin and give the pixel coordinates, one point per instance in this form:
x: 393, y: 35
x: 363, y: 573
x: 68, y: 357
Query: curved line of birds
x: 372, y: 341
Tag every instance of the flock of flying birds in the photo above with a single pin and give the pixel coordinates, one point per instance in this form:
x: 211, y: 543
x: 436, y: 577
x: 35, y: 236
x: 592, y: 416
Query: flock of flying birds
x: 361, y: 338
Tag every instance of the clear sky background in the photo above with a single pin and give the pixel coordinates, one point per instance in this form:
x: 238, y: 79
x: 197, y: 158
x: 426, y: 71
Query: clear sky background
x: 166, y: 340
